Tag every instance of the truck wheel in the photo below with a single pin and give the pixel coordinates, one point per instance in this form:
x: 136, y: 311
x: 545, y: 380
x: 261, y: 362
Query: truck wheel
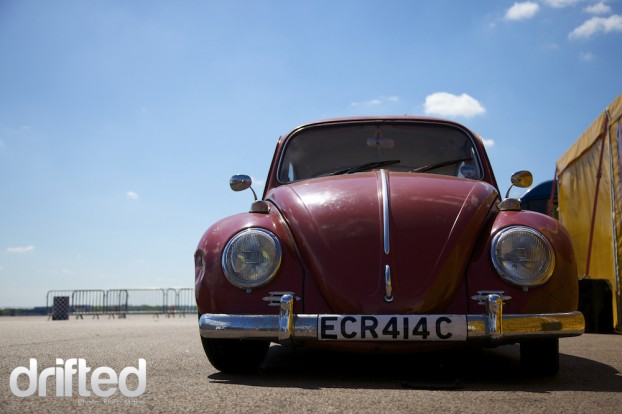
x: 540, y: 357
x: 235, y: 355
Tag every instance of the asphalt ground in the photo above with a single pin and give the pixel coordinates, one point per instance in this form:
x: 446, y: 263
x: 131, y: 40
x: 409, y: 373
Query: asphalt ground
x: 179, y: 378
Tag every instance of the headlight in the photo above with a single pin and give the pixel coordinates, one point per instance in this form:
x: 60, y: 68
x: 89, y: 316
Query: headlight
x: 251, y: 258
x: 522, y: 256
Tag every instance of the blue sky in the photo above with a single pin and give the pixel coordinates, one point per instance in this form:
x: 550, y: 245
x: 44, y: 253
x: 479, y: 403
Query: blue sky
x: 122, y: 121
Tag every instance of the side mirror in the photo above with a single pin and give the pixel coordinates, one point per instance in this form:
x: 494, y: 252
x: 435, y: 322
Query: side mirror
x: 240, y: 183
x: 522, y: 179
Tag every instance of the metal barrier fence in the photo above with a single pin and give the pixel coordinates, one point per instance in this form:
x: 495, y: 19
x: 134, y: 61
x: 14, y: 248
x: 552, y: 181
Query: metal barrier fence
x: 60, y: 304
x: 88, y: 302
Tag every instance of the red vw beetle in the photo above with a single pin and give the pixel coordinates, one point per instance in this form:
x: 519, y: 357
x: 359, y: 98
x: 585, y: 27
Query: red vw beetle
x: 384, y: 233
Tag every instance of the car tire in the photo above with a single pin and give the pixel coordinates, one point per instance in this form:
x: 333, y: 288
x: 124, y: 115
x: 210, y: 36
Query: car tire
x: 540, y: 357
x: 235, y: 356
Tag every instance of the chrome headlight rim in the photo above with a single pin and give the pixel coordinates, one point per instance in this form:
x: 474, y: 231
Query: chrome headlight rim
x: 230, y: 272
x: 547, y: 271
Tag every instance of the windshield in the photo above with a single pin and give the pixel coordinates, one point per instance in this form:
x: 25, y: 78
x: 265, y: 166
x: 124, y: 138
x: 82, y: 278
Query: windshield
x: 357, y: 147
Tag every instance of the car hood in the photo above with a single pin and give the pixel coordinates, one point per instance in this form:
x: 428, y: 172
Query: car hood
x: 430, y: 221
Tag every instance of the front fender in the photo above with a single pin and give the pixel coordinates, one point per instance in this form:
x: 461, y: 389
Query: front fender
x: 559, y: 294
x: 214, y: 293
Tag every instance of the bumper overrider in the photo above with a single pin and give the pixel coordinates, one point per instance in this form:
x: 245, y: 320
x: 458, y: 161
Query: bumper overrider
x: 491, y: 327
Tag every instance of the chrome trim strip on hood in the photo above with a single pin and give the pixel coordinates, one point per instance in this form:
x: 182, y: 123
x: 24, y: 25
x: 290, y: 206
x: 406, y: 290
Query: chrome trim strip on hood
x: 384, y: 192
x: 385, y: 208
x: 388, y: 285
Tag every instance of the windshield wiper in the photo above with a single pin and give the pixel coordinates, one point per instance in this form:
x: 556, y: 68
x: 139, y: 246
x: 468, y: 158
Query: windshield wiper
x: 365, y: 167
x: 439, y: 165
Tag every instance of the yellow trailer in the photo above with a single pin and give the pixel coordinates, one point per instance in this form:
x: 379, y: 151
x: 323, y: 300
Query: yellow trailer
x: 590, y: 205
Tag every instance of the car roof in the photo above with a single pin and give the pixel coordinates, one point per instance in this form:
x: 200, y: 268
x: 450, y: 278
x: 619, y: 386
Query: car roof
x: 378, y: 118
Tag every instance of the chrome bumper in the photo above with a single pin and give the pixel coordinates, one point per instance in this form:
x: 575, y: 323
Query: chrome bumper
x: 492, y: 327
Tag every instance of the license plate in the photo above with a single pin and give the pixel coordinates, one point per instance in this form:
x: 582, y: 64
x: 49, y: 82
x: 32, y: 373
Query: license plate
x: 392, y: 328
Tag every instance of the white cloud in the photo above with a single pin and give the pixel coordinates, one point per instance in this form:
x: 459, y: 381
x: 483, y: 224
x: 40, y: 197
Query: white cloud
x: 258, y: 182
x: 20, y: 249
x: 447, y: 104
x: 587, y: 56
x: 598, y: 8
x: 63, y: 271
x: 131, y: 195
x: 558, y: 4
x: 522, y: 11
x: 377, y: 101
x: 597, y: 24
x: 488, y: 143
